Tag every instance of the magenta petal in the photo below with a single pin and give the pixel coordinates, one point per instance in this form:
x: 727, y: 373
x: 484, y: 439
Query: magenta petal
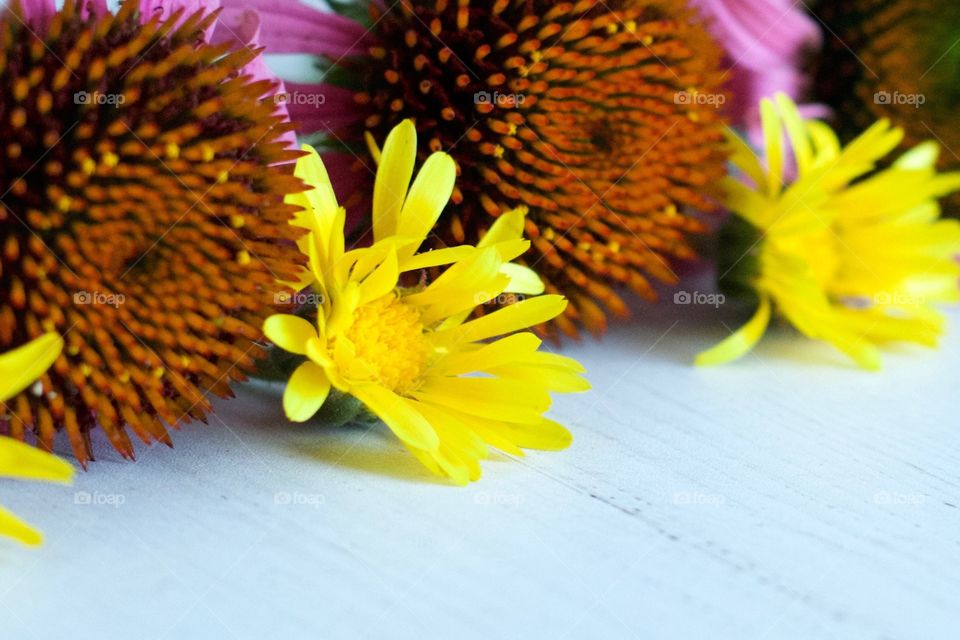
x: 38, y: 12
x: 242, y: 29
x: 351, y: 175
x: 166, y: 8
x: 94, y: 8
x: 321, y: 108
x: 765, y: 42
x: 289, y: 26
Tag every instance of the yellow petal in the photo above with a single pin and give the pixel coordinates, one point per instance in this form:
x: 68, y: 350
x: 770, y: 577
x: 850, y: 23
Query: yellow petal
x: 508, y: 226
x: 922, y: 156
x: 522, y: 279
x: 20, y: 460
x: 493, y: 432
x: 21, y: 367
x: 741, y: 341
x: 382, y: 281
x: 462, y: 287
x: 290, y: 333
x: 437, y: 258
x: 428, y: 196
x: 529, y: 376
x: 493, y: 398
x: 306, y: 392
x: 799, y: 138
x: 323, y: 206
x: 400, y: 414
x: 13, y: 527
x: 393, y: 179
x: 545, y: 436
x: 554, y: 361
x: 745, y: 158
x: 511, y: 249
x: 497, y: 353
x: 521, y: 315
x: 773, y: 143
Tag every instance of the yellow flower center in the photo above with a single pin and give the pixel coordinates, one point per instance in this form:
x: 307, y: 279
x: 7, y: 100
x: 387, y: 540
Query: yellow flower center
x: 390, y: 343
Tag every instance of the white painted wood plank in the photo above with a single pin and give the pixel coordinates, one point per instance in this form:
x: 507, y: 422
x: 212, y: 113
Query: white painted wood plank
x: 788, y: 496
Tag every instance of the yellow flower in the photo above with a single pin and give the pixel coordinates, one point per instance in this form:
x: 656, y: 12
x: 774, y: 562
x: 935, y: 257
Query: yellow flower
x: 406, y: 350
x: 18, y: 370
x: 846, y: 253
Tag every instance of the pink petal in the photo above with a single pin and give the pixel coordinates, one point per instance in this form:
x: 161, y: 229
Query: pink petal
x: 352, y: 179
x: 37, y: 12
x: 321, y: 108
x: 289, y: 26
x: 765, y: 42
x: 166, y: 8
x: 242, y: 29
x: 94, y: 8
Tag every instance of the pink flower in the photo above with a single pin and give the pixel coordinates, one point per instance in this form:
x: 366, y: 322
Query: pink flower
x: 765, y: 43
x: 241, y: 28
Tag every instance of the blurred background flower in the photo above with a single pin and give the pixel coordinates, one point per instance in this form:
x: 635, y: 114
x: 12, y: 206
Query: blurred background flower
x: 845, y: 253
x: 896, y: 59
x: 768, y: 45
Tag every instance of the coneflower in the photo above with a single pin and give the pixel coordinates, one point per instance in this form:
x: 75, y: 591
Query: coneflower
x: 143, y: 217
x: 601, y: 118
x: 894, y: 59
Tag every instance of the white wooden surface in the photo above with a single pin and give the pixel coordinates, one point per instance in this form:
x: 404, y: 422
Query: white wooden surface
x: 787, y: 496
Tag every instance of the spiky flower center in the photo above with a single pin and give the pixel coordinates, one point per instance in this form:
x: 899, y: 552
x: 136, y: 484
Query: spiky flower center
x: 390, y: 343
x: 142, y: 219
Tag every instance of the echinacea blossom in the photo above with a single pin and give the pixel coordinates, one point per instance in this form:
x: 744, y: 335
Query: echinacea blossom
x: 602, y: 119
x: 20, y: 369
x: 143, y: 169
x: 898, y: 60
x: 767, y: 45
x: 846, y: 253
x: 449, y: 387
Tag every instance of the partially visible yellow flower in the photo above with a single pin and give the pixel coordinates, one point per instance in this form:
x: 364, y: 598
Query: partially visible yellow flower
x: 18, y: 370
x: 847, y: 254
x: 406, y: 350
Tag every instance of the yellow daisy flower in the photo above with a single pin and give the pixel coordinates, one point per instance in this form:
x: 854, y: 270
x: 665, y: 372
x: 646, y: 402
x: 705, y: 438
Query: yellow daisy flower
x: 846, y: 253
x: 18, y: 370
x: 409, y: 353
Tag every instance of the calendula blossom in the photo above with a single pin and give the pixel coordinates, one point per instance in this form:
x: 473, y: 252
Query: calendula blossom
x: 846, y: 253
x: 407, y: 350
x: 19, y: 369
